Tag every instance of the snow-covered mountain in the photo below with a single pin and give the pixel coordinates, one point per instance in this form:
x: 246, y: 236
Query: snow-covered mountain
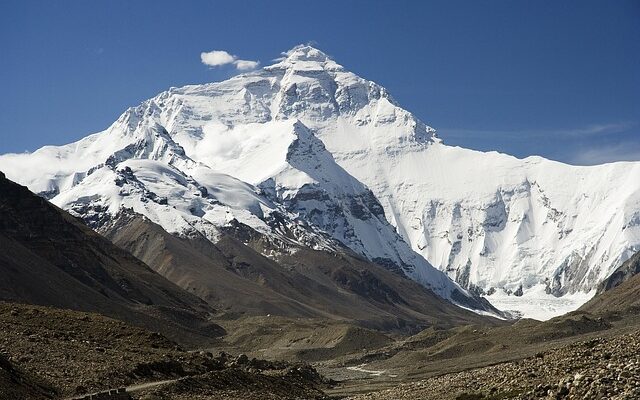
x: 305, y: 151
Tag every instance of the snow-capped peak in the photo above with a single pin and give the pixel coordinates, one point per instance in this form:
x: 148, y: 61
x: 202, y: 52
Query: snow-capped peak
x: 334, y: 155
x: 302, y: 56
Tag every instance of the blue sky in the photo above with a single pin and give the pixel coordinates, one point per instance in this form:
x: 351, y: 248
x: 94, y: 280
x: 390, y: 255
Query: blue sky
x: 559, y: 79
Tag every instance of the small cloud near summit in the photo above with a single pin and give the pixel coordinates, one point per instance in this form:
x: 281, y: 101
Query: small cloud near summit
x: 217, y: 58
x: 244, y: 65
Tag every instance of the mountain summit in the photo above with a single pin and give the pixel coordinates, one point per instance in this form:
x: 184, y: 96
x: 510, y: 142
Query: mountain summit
x: 307, y: 153
x: 305, y: 53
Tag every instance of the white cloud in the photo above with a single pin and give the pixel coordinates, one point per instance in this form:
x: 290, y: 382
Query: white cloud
x: 585, y: 131
x: 625, y: 151
x: 244, y: 65
x: 217, y: 58
x: 602, y: 129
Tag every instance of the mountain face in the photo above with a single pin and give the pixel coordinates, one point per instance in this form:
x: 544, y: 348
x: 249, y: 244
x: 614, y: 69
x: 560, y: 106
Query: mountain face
x: 50, y: 258
x: 309, y: 154
x: 238, y: 280
x: 623, y: 273
x: 619, y: 294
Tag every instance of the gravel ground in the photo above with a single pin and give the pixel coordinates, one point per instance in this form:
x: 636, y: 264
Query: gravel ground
x: 601, y: 368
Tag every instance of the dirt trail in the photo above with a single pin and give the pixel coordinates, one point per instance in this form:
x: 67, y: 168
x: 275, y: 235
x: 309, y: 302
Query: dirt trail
x: 130, y: 389
x: 142, y: 386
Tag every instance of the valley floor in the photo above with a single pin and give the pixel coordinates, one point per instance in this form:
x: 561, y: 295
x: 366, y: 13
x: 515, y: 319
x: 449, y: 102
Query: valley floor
x: 48, y: 353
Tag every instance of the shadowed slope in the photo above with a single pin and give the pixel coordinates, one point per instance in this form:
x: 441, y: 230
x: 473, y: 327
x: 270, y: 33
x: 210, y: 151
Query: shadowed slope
x: 51, y: 258
x: 306, y: 283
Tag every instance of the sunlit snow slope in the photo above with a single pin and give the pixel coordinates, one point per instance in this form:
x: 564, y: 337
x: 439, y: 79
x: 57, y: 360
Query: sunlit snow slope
x: 332, y: 155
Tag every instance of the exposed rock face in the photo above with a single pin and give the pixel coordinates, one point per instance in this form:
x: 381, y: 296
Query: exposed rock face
x: 626, y: 271
x: 620, y: 293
